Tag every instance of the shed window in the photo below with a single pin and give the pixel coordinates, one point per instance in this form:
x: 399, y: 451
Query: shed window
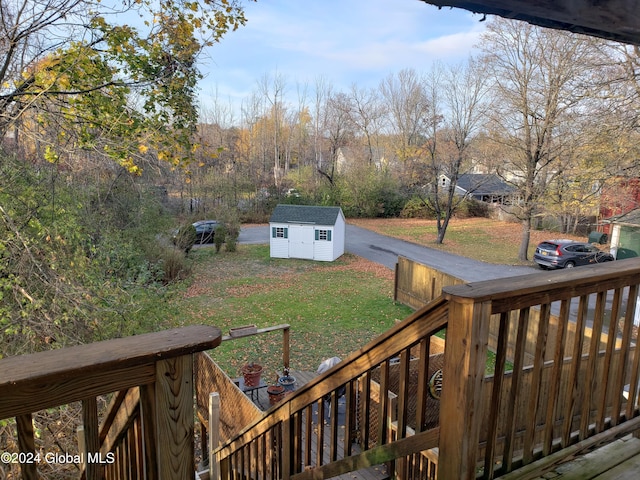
x: 280, y: 232
x: 323, y: 235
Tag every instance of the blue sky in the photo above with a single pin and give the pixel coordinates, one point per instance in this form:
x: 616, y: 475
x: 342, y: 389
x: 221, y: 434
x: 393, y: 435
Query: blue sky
x: 343, y: 41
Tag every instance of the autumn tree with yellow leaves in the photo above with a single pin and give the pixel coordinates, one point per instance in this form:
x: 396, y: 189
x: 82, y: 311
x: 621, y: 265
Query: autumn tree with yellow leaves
x: 117, y: 78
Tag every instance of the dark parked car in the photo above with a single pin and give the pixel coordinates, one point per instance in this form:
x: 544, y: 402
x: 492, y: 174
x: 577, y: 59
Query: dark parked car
x: 205, y: 231
x: 568, y: 254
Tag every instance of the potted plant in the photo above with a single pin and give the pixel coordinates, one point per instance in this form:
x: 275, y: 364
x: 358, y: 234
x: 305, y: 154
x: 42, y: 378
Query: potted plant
x: 287, y: 381
x: 276, y: 393
x: 251, y: 372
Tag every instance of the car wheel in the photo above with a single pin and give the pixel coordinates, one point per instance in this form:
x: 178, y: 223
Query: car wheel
x: 569, y: 265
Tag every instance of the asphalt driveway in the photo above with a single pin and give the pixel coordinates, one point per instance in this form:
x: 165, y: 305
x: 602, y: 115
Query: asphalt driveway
x: 385, y: 251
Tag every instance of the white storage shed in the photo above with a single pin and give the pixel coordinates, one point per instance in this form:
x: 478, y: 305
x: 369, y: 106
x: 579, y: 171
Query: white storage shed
x: 309, y: 232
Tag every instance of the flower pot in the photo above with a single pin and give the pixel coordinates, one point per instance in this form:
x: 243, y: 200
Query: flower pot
x: 251, y: 373
x: 288, y: 382
x: 276, y: 393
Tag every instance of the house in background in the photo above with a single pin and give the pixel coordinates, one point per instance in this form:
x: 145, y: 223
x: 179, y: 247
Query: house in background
x: 488, y: 188
x: 307, y: 232
x: 625, y: 234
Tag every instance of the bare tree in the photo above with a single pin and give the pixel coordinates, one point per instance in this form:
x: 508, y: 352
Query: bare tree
x: 457, y: 115
x: 539, y: 77
x: 366, y: 115
x: 339, y: 130
x: 406, y: 102
x: 273, y: 91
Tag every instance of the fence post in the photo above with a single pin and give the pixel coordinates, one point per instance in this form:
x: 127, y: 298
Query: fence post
x: 461, y: 399
x: 214, y: 434
x: 285, y: 347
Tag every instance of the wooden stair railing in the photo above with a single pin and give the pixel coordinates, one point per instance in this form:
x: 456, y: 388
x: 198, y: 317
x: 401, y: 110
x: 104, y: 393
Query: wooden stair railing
x: 293, y: 441
x: 153, y: 373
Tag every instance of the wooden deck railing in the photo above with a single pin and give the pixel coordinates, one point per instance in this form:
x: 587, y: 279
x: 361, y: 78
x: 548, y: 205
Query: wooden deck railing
x: 293, y: 440
x: 575, y: 386
x: 580, y: 389
x: 149, y: 432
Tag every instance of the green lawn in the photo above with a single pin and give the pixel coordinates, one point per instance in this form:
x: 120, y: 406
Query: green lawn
x: 333, y: 308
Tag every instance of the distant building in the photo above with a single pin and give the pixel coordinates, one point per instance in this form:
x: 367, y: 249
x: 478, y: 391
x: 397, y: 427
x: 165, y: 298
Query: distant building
x: 482, y: 187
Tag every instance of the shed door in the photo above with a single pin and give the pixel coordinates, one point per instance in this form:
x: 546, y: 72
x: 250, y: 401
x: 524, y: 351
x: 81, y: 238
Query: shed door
x: 301, y: 241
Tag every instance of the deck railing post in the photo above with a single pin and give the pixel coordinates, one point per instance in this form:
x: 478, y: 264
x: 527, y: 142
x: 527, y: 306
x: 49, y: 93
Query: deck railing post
x: 463, y: 374
x: 174, y: 417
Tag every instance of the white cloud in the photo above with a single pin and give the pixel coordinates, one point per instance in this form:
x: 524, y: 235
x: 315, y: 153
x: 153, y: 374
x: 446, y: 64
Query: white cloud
x: 345, y: 41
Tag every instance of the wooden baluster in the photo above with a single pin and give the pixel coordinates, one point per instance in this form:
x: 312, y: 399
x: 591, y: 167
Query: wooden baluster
x: 148, y: 422
x: 514, y: 391
x: 496, y: 395
x: 531, y: 417
x: 590, y: 380
x: 214, y: 434
x: 91, y: 438
x: 606, y: 374
x: 383, y: 406
x: 571, y: 399
x: 555, y: 378
x: 26, y: 444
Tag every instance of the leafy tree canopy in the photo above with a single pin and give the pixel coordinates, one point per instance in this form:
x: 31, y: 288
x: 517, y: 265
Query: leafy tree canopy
x: 115, y: 77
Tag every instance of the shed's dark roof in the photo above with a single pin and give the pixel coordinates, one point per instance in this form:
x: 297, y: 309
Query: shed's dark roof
x: 484, y: 184
x: 305, y: 214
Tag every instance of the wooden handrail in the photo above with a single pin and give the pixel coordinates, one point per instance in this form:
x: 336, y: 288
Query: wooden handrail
x: 527, y: 290
x: 155, y: 369
x: 29, y: 383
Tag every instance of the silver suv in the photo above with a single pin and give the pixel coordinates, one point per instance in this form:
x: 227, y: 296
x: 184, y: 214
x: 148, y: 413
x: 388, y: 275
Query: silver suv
x: 568, y: 254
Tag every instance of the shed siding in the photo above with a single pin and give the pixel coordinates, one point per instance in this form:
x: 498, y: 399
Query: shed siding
x: 339, y: 234
x: 323, y: 249
x: 279, y: 247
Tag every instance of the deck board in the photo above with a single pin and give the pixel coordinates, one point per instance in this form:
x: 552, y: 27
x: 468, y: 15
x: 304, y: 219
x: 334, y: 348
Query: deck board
x: 618, y: 460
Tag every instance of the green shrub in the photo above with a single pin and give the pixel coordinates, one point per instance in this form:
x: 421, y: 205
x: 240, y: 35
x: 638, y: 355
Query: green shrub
x: 472, y: 208
x: 185, y: 238
x: 416, y: 208
x: 174, y: 266
x: 219, y: 237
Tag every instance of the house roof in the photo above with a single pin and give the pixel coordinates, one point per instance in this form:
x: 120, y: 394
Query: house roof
x: 484, y: 184
x: 305, y: 214
x: 629, y: 218
x: 614, y: 20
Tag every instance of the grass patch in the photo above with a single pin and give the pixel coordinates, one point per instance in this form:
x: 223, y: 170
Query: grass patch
x: 333, y: 308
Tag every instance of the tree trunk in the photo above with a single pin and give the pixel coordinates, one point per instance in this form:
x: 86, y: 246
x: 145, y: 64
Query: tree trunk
x: 523, y: 254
